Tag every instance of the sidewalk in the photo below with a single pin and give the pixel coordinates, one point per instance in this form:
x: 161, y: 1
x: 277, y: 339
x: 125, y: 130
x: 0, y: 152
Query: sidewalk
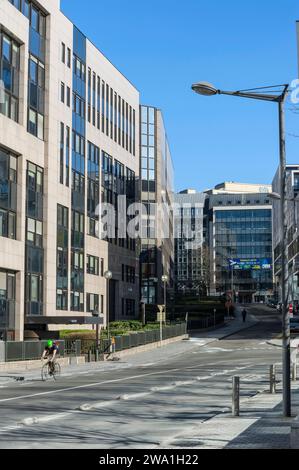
x: 231, y: 327
x: 260, y: 426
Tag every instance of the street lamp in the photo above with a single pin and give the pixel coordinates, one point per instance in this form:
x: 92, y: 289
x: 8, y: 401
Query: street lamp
x: 108, y: 276
x: 165, y: 281
x: 275, y: 94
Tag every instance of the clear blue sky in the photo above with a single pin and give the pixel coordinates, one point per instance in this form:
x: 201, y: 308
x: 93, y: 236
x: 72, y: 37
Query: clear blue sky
x: 163, y: 46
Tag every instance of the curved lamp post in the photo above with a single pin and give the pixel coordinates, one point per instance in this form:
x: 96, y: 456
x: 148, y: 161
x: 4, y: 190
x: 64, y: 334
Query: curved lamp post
x: 275, y: 94
x: 108, y: 276
x: 165, y: 279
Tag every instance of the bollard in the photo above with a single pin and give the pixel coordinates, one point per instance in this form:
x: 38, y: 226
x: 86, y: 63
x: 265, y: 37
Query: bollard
x: 89, y: 355
x: 236, y: 396
x: 272, y: 379
x: 97, y: 355
x: 294, y: 371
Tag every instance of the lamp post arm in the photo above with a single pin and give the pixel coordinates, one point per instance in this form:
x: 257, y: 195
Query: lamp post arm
x: 254, y: 96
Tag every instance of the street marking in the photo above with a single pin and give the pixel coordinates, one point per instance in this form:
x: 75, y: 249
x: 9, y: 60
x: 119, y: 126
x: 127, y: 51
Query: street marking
x: 52, y: 392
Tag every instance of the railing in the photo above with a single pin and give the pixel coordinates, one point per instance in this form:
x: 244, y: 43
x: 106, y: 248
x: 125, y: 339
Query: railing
x: 132, y: 340
x: 206, y: 322
x: 27, y: 350
x: 32, y: 350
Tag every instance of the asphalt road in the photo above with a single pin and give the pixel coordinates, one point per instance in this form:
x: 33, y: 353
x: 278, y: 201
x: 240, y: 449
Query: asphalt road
x: 147, y: 404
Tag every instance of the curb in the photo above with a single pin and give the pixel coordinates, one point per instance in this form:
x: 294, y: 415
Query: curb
x: 273, y: 344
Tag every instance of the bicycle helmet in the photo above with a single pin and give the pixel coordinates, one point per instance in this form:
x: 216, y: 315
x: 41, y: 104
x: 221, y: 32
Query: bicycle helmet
x: 50, y: 343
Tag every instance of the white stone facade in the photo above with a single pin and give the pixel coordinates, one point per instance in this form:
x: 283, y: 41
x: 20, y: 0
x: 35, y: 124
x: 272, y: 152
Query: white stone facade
x: 15, y: 138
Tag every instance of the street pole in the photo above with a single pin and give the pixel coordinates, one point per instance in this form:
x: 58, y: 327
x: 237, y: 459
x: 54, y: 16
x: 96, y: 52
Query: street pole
x: 108, y: 315
x: 271, y: 94
x: 286, y: 359
x: 165, y: 300
x: 232, y: 285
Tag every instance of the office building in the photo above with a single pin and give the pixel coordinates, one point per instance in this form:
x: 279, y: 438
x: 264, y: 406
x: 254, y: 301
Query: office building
x: 157, y: 250
x: 69, y: 141
x: 239, y: 223
x: 292, y: 214
x: 190, y: 251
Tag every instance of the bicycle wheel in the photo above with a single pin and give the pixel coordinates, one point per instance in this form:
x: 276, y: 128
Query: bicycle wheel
x: 45, y: 372
x: 57, y: 371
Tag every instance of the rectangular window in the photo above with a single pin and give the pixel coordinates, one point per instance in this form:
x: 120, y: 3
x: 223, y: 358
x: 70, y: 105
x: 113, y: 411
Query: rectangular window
x: 93, y: 303
x: 9, y: 76
x: 93, y: 265
x: 62, y: 92
x: 63, y: 53
x: 61, y: 162
x: 68, y: 57
x: 68, y: 97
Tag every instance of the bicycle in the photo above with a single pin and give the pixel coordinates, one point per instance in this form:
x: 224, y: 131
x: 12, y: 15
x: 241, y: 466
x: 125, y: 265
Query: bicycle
x: 46, y: 371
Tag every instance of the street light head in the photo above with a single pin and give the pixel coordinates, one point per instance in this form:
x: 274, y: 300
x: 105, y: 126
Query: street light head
x: 108, y: 275
x: 275, y: 196
x: 204, y: 88
x: 165, y: 278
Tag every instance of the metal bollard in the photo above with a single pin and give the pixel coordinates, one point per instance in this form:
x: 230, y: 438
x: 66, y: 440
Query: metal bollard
x: 89, y: 355
x: 97, y: 355
x: 272, y: 379
x: 294, y: 371
x: 236, y: 396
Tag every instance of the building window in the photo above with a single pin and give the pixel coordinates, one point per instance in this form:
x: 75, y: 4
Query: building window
x: 34, y: 232
x: 62, y: 92
x: 92, y: 303
x: 68, y: 96
x: 8, y: 194
x: 68, y: 57
x: 62, y: 258
x: 36, y: 97
x: 9, y: 75
x: 63, y: 52
x: 34, y: 294
x: 93, y: 265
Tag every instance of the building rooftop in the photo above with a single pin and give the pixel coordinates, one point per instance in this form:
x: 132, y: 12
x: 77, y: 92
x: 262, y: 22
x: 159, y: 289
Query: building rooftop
x: 231, y: 187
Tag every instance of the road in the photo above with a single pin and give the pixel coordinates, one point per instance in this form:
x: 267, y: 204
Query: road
x: 149, y: 402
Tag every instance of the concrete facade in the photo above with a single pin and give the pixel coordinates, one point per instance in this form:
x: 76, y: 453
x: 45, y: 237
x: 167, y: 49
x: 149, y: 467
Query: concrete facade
x: 119, y: 138
x: 190, y: 275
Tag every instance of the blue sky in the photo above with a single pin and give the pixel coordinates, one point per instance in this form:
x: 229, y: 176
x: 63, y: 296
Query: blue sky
x: 164, y: 46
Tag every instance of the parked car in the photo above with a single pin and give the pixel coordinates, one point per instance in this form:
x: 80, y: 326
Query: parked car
x: 294, y: 325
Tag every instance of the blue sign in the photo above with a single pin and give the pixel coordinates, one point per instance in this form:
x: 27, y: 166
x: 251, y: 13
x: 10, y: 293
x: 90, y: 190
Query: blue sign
x: 256, y: 264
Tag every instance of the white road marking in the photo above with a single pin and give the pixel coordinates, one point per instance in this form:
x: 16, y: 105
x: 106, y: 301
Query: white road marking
x: 52, y: 392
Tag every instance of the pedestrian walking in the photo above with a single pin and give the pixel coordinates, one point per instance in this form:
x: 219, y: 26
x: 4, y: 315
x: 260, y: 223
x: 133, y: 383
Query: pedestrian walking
x: 244, y: 315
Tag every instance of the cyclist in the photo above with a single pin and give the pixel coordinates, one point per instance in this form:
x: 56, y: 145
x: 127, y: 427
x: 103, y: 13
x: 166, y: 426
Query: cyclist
x: 50, y: 352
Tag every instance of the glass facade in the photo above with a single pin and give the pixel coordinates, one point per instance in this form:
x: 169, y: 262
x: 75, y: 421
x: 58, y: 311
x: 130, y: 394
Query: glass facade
x: 7, y: 303
x: 8, y: 194
x: 34, y: 253
x: 62, y: 257
x: 148, y: 149
x: 9, y: 75
x: 78, y: 172
x: 243, y: 234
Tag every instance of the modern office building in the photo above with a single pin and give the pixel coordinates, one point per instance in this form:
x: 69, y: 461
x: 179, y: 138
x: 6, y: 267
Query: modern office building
x: 157, y: 250
x: 69, y: 140
x: 239, y: 222
x: 190, y: 251
x: 292, y: 217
